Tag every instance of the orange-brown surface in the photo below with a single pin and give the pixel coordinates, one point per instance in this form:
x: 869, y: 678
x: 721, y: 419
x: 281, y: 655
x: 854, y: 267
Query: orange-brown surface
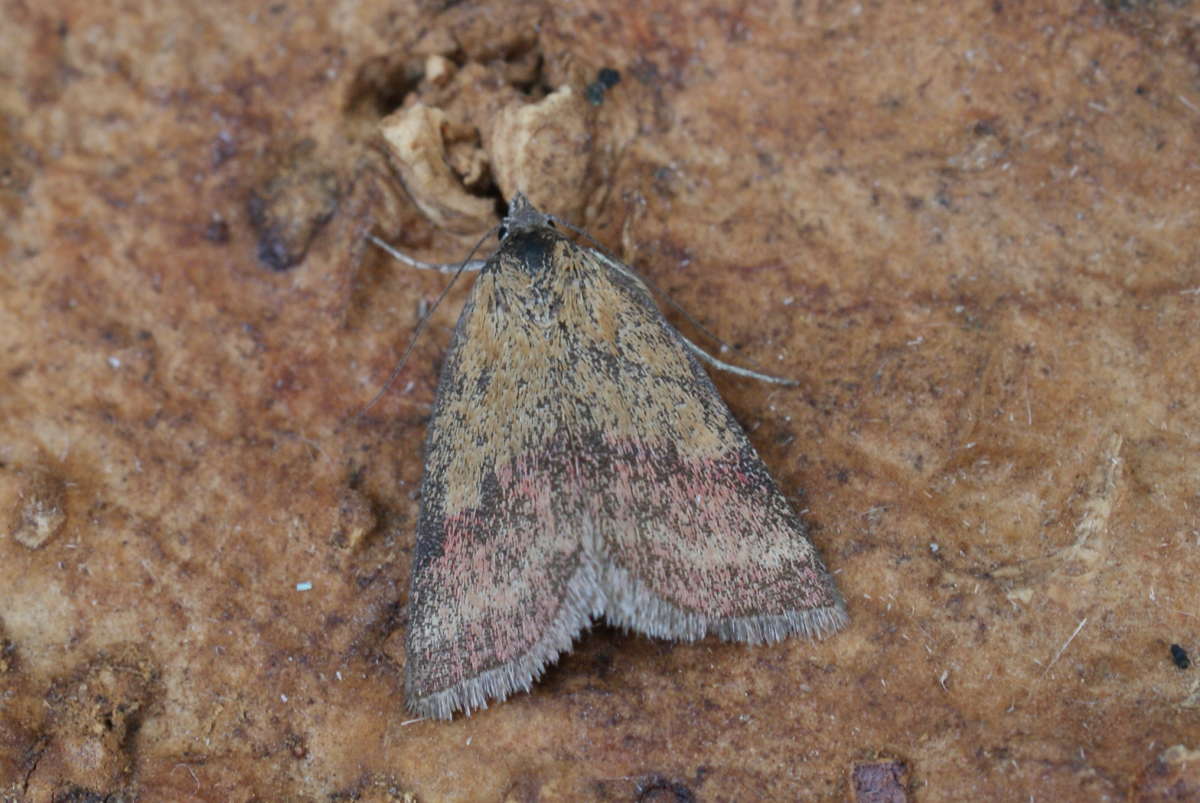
x: 968, y: 228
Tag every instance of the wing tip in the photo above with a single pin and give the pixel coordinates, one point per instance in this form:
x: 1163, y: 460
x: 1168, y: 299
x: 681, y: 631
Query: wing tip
x: 585, y: 600
x: 632, y: 606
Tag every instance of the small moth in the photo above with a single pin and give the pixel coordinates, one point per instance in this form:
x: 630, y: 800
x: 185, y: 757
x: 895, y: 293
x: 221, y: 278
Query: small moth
x: 580, y: 464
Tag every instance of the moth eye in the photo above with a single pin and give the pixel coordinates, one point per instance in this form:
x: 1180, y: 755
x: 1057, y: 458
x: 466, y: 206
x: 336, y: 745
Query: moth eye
x: 502, y: 233
x: 550, y: 222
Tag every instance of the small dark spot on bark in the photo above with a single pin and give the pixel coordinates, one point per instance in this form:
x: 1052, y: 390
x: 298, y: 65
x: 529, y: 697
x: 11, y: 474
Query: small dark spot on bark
x: 606, y: 79
x: 657, y: 789
x: 984, y: 128
x: 79, y: 794
x: 880, y: 782
x: 290, y: 209
x: 217, y: 232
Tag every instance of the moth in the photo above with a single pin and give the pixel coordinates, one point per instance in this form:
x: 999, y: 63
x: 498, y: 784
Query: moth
x: 579, y: 465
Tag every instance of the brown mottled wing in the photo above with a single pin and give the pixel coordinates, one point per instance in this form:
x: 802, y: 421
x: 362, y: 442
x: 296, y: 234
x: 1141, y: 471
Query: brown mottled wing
x: 500, y: 586
x: 693, y: 536
x: 580, y: 463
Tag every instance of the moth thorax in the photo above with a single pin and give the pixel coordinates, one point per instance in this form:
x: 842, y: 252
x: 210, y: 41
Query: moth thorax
x: 533, y: 252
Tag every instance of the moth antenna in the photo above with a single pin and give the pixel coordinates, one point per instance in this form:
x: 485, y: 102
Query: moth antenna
x: 466, y: 264
x: 621, y: 267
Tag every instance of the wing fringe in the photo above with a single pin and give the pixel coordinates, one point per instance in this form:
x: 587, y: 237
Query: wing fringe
x: 601, y: 588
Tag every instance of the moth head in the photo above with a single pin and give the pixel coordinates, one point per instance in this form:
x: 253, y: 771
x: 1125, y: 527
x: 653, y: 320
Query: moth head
x: 523, y: 216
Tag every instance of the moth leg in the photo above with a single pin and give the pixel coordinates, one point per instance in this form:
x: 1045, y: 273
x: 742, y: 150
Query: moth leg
x: 734, y: 369
x: 471, y: 265
x: 455, y: 271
